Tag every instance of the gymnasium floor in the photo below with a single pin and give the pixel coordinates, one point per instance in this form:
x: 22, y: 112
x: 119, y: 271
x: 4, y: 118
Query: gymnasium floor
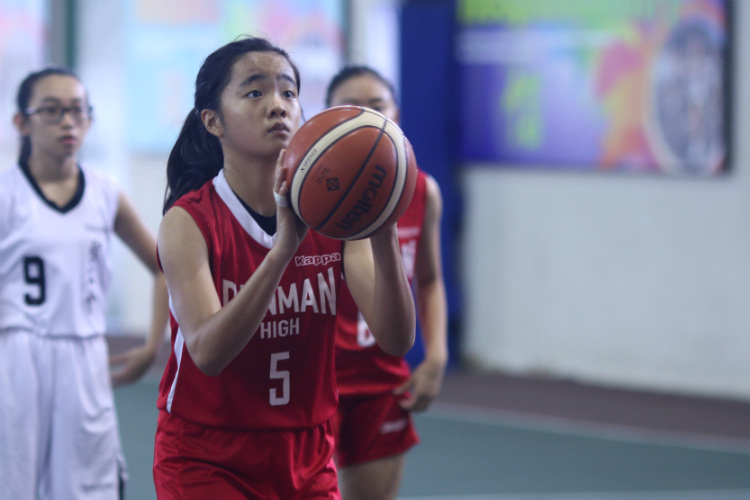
x: 492, y: 437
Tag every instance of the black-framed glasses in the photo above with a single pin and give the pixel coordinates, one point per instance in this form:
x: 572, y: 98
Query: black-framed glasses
x: 52, y: 114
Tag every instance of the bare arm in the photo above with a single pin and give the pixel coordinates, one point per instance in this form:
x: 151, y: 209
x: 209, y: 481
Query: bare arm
x: 375, y: 277
x: 426, y: 380
x: 215, y: 335
x: 133, y: 232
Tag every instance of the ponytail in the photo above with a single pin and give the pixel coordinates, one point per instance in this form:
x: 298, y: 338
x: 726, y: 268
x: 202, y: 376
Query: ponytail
x: 195, y: 159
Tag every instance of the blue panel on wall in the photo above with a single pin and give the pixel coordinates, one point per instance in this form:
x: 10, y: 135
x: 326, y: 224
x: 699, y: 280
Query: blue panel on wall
x: 427, y: 117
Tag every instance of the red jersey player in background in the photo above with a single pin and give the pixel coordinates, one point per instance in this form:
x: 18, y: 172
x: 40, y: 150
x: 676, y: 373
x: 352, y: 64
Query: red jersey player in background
x: 249, y: 391
x: 373, y: 425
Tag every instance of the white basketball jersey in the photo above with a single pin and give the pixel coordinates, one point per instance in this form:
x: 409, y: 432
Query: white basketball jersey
x: 55, y: 262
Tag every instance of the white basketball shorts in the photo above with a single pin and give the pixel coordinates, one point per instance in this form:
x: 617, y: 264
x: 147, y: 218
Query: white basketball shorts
x: 59, y: 438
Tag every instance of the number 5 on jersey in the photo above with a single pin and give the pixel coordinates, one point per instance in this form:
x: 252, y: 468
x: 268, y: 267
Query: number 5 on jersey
x: 275, y: 398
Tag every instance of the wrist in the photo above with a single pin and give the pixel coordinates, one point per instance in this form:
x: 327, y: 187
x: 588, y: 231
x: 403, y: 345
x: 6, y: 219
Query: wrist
x: 385, y: 239
x: 436, y: 359
x: 277, y: 259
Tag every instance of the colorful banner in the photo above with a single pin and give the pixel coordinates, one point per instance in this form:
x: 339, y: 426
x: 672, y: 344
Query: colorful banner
x: 637, y: 85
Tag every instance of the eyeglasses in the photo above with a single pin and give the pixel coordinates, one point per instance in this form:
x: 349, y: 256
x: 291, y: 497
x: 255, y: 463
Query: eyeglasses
x: 52, y: 115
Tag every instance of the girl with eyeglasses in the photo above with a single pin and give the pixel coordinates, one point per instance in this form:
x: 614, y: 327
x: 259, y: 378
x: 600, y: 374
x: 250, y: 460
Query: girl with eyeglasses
x: 249, y: 390
x: 59, y: 437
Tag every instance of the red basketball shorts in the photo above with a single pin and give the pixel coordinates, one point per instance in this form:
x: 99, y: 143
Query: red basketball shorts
x: 371, y: 427
x: 193, y: 462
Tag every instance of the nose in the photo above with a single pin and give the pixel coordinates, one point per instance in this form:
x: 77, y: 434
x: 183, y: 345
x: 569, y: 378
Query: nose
x: 67, y: 117
x: 277, y: 107
x: 278, y: 110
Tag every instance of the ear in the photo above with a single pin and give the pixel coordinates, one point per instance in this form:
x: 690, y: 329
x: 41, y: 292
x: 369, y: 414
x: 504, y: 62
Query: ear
x: 212, y: 122
x: 21, y: 123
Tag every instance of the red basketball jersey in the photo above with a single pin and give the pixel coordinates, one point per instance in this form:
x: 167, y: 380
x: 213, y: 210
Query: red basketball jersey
x: 361, y: 366
x: 284, y: 377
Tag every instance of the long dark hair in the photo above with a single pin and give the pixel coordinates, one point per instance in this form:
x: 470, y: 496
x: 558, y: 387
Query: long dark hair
x: 23, y: 97
x: 351, y: 71
x: 197, y: 156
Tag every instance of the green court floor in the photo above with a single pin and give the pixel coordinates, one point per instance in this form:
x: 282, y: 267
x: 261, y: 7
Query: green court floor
x: 469, y: 454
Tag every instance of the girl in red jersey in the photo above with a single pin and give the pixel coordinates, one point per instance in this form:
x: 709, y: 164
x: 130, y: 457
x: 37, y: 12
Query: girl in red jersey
x: 249, y: 390
x: 373, y: 427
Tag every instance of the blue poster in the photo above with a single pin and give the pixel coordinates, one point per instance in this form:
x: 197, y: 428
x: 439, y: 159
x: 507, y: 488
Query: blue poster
x: 605, y: 84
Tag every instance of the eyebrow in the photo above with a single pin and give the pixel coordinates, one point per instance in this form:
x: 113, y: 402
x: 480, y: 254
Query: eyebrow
x: 285, y: 76
x: 48, y: 99
x: 376, y: 100
x: 262, y: 76
x: 252, y: 79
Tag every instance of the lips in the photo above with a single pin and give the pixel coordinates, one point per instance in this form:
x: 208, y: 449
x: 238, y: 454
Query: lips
x: 279, y: 127
x: 68, y: 139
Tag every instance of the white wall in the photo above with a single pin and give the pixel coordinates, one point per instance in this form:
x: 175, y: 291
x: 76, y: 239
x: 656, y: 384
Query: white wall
x: 374, y: 35
x: 623, y: 280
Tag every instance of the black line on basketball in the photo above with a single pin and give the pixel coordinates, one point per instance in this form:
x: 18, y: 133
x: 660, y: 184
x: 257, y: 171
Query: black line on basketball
x: 356, y: 177
x: 320, y: 155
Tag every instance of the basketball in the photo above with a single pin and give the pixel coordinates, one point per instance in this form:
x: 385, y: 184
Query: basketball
x: 351, y: 172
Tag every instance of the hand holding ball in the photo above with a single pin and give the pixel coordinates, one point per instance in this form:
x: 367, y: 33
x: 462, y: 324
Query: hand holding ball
x: 351, y: 172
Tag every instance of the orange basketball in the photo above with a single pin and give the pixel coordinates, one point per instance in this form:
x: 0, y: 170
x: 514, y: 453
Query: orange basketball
x: 351, y: 171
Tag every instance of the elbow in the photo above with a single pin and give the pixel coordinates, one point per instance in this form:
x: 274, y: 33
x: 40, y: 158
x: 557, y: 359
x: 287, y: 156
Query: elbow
x: 400, y: 342
x: 211, y: 368
x: 402, y: 334
x: 208, y: 363
x: 405, y: 346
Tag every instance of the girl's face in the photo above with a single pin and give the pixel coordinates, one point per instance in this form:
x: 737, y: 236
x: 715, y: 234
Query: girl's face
x: 260, y: 110
x: 52, y: 135
x: 366, y: 91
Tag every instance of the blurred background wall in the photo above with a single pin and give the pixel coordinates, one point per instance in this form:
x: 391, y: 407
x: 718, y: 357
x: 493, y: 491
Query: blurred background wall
x: 624, y: 276
x: 604, y: 269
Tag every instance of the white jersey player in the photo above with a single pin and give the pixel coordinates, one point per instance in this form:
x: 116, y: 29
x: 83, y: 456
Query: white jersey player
x: 58, y: 426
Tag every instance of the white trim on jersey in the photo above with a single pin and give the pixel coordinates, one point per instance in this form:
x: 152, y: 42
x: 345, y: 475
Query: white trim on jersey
x: 179, y: 344
x: 240, y: 212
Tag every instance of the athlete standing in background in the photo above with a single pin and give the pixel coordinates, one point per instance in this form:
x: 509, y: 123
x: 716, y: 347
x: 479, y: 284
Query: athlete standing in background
x: 59, y: 437
x: 249, y: 391
x: 374, y: 428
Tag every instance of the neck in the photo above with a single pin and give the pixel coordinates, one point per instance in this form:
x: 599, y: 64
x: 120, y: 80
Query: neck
x: 48, y: 169
x: 253, y: 183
